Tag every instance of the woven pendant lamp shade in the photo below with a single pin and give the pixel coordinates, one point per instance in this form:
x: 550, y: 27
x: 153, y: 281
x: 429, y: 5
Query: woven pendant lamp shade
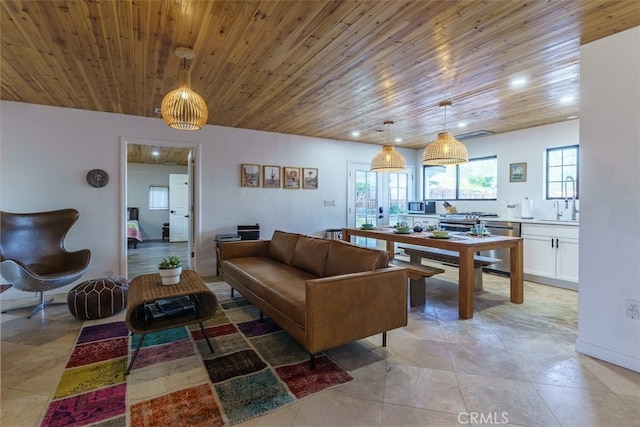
x: 388, y: 160
x: 445, y: 150
x: 182, y: 108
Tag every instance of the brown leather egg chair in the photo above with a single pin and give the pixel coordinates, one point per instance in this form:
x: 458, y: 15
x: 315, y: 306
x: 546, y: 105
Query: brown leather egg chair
x: 33, y: 257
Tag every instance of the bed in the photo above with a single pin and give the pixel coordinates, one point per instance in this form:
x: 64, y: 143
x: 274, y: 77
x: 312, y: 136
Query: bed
x: 134, y: 234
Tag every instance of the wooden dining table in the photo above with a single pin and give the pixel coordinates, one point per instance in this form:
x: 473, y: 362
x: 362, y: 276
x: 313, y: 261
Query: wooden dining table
x: 466, y: 246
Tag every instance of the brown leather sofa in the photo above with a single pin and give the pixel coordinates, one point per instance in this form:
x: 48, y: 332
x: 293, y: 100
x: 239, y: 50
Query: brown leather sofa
x: 324, y: 293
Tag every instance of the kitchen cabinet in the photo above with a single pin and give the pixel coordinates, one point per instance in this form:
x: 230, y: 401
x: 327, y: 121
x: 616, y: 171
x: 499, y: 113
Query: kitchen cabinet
x: 551, y: 254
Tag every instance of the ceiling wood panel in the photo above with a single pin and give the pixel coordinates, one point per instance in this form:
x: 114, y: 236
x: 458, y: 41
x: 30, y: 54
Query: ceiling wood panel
x: 314, y: 68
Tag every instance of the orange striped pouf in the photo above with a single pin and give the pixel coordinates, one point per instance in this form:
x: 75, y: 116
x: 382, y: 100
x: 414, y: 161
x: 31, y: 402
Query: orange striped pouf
x: 98, y: 298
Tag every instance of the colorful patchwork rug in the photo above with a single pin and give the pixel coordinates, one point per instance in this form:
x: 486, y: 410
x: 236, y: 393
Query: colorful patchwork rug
x: 255, y: 368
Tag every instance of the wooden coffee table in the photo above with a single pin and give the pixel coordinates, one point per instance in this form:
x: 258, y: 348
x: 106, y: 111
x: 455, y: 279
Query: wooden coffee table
x: 148, y: 288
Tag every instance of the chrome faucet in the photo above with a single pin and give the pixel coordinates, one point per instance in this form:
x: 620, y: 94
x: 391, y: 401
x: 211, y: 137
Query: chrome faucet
x: 556, y: 204
x: 574, y: 211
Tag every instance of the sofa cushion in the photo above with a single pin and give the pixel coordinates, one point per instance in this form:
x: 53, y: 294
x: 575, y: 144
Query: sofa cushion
x: 310, y: 254
x: 279, y: 285
x: 345, y: 258
x: 282, y: 245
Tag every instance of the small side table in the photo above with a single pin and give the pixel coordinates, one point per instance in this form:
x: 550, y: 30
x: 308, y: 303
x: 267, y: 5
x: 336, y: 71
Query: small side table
x: 148, y: 288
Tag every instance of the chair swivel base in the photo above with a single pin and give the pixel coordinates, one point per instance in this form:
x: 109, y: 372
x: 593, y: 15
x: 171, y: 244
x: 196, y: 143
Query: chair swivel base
x: 40, y: 306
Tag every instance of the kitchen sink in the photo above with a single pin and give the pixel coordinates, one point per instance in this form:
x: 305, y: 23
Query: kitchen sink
x: 575, y: 221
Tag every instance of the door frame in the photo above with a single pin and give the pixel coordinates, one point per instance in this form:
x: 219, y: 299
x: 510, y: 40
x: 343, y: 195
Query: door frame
x: 194, y: 169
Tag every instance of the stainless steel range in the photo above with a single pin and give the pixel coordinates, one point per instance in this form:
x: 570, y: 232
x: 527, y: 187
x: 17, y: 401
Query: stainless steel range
x: 465, y: 221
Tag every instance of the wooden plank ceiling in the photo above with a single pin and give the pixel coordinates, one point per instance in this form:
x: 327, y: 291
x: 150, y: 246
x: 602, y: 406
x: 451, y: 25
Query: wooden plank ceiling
x: 316, y: 68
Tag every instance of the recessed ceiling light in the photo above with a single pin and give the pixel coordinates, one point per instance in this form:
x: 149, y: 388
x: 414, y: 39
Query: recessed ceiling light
x: 398, y: 139
x: 462, y: 125
x: 355, y: 133
x: 566, y: 99
x: 155, y: 153
x: 517, y: 82
x: 571, y: 117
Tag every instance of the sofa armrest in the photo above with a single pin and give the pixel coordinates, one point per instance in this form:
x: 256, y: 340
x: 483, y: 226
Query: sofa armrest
x: 342, y: 309
x: 244, y: 248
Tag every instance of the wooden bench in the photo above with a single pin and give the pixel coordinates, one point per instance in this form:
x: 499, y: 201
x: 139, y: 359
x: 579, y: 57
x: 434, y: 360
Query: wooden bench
x: 450, y: 257
x: 417, y: 274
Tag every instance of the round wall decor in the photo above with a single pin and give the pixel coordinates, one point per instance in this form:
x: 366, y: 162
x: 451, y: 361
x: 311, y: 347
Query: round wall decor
x: 97, y: 178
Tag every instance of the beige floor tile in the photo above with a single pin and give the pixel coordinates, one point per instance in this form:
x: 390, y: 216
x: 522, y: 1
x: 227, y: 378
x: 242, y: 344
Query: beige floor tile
x: 369, y: 382
x: 279, y: 418
x: 619, y: 380
x: 420, y: 329
x: 359, y: 354
x: 485, y: 360
x: 514, y: 358
x: 585, y: 408
x: 336, y: 409
x: 397, y: 415
x: 22, y: 409
x: 25, y: 366
x: 517, y: 401
x: 414, y: 352
x: 43, y: 383
x: 423, y: 388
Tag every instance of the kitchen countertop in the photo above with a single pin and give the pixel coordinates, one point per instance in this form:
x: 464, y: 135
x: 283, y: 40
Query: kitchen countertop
x: 520, y: 220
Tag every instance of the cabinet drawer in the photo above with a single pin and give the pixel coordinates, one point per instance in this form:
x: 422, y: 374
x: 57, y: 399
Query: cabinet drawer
x: 568, y: 231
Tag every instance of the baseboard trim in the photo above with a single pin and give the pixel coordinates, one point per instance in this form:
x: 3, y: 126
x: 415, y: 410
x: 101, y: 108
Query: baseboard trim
x: 609, y: 356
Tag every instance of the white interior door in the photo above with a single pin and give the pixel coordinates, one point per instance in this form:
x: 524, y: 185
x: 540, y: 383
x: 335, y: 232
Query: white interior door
x: 178, y: 207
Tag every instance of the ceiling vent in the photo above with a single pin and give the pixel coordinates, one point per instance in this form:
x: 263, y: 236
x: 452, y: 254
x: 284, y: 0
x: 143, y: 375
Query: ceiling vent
x: 474, y: 134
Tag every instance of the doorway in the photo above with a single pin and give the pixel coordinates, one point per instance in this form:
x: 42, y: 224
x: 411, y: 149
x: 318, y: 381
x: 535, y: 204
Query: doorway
x: 377, y: 198
x: 169, y: 169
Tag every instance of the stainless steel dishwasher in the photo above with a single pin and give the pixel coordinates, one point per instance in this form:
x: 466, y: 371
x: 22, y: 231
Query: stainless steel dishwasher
x: 501, y: 228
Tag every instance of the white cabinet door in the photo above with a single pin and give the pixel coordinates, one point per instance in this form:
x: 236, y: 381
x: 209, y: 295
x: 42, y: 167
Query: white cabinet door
x: 540, y: 257
x: 567, y: 259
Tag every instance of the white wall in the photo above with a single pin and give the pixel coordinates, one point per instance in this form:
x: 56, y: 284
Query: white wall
x: 47, y: 151
x: 67, y: 143
x: 139, y: 178
x: 527, y: 146
x: 610, y: 193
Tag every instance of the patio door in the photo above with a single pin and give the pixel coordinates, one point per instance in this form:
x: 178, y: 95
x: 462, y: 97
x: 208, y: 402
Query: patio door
x: 376, y: 197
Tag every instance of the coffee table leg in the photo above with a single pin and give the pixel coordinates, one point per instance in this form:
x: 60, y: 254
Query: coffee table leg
x: 135, y: 354
x: 206, y: 337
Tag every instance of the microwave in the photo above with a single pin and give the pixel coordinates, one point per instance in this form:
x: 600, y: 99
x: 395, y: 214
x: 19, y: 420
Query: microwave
x: 421, y: 207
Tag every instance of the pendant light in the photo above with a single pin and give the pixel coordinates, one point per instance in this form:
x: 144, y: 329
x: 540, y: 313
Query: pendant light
x: 445, y: 150
x: 388, y: 160
x: 182, y: 108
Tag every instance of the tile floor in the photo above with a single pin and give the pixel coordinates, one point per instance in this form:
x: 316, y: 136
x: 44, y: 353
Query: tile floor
x: 510, y: 364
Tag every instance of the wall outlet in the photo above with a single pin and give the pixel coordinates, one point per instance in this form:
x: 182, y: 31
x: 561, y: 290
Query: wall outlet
x: 110, y: 273
x: 632, y: 308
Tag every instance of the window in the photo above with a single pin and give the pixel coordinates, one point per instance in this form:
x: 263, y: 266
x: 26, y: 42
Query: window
x: 158, y: 198
x: 398, y: 193
x: 475, y: 180
x: 562, y: 172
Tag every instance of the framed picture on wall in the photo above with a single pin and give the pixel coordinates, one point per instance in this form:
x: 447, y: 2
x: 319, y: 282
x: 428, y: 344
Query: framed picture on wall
x: 310, y: 178
x: 271, y: 176
x: 291, y: 177
x: 249, y: 175
x: 517, y: 172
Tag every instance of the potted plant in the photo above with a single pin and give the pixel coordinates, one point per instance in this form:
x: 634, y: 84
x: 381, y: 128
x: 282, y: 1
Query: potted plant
x: 169, y: 269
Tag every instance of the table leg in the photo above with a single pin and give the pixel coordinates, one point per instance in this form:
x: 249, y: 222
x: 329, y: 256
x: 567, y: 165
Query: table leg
x: 135, y: 354
x: 391, y: 248
x: 206, y: 337
x: 465, y: 284
x: 517, y: 273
